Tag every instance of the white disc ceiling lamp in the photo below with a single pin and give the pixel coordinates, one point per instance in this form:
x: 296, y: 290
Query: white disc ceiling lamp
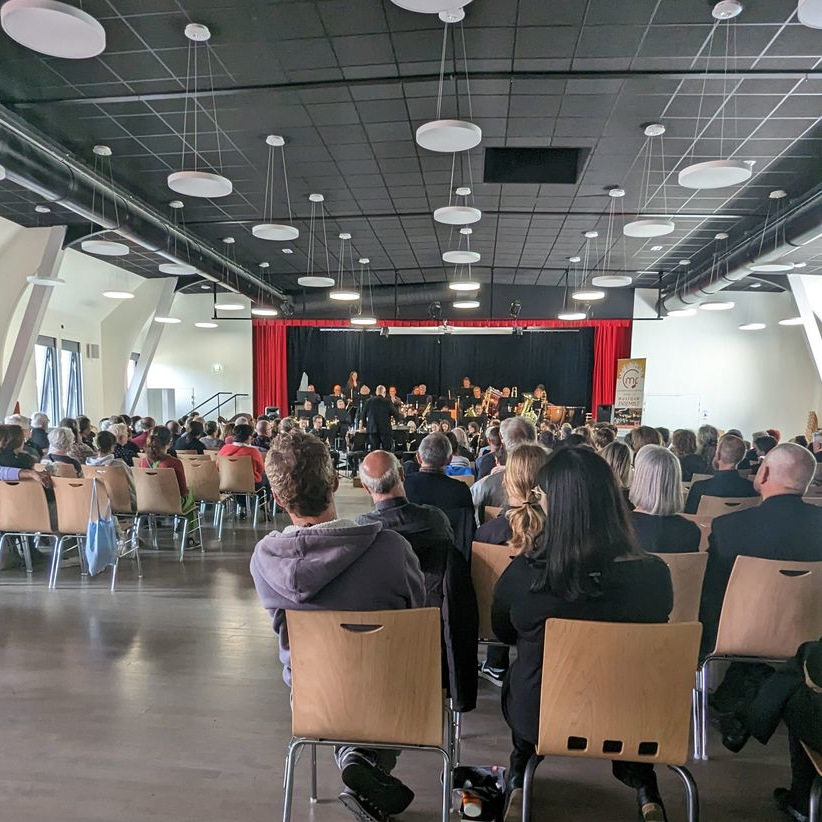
x: 467, y: 303
x: 199, y: 181
x: 458, y: 211
x: 176, y: 269
x: 95, y: 245
x: 460, y: 255
x: 463, y: 280
x: 772, y: 263
x: 364, y: 315
x: 581, y: 291
x: 53, y: 28
x: 646, y: 225
x: 590, y: 288
x: 341, y: 291
x: 809, y: 13
x: 312, y: 279
x: 430, y: 6
x: 720, y: 173
x: 268, y: 229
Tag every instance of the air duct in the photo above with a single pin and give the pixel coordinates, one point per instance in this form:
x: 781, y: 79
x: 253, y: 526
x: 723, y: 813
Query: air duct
x: 32, y: 161
x: 385, y: 298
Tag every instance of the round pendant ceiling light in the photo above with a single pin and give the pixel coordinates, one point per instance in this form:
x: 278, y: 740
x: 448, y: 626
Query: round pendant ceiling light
x: 586, y: 295
x: 717, y: 305
x: 200, y: 184
x: 206, y: 325
x: 464, y: 285
x: 268, y: 229
x: 466, y: 304
x: 449, y: 136
x: 53, y: 28
x: 104, y: 248
x: 809, y: 13
x: 649, y: 227
x: 779, y: 267
x: 430, y: 6
x: 681, y: 312
x: 118, y: 295
x: 792, y: 321
x: 47, y: 282
x: 363, y: 319
x: 457, y: 215
x: 572, y: 316
x: 176, y: 269
x: 460, y: 255
x: 645, y: 226
x: 167, y: 320
x: 715, y: 174
x: 752, y: 327
x: 611, y: 281
x: 341, y: 292
x: 229, y: 306
x: 310, y: 279
x: 275, y: 232
x: 770, y: 262
x: 260, y: 311
x: 344, y: 295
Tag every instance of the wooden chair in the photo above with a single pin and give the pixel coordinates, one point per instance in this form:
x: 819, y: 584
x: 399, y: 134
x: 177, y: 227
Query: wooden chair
x: 487, y: 564
x: 787, y: 612
x: 187, y: 453
x: 491, y: 512
x: 619, y: 692
x: 203, y: 478
x: 705, y: 526
x: 63, y: 470
x: 237, y: 477
x: 816, y: 788
x: 468, y: 479
x: 719, y: 506
x: 24, y: 514
x: 391, y: 698
x: 115, y: 480
x: 700, y: 477
x: 158, y: 495
x: 687, y: 575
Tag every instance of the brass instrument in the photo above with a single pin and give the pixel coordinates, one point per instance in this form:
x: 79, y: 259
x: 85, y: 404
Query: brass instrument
x: 515, y: 391
x: 426, y: 412
x: 490, y: 402
x: 470, y: 413
x: 527, y: 411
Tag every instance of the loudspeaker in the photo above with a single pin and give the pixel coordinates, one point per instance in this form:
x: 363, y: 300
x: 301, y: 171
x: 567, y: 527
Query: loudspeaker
x: 605, y: 413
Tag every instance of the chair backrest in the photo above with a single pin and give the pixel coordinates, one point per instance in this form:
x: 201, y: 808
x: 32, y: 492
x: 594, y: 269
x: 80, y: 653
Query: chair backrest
x: 700, y: 477
x: 73, y: 499
x: 115, y: 479
x: 487, y: 564
x: 812, y: 500
x: 23, y: 508
x: 192, y: 456
x: 157, y: 491
x: 770, y: 608
x: 719, y: 506
x: 468, y: 479
x: 236, y: 475
x: 365, y: 676
x: 491, y: 512
x: 618, y: 690
x: 687, y: 575
x: 187, y: 453
x: 63, y: 469
x: 141, y: 455
x: 705, y: 526
x: 203, y: 478
x: 815, y: 757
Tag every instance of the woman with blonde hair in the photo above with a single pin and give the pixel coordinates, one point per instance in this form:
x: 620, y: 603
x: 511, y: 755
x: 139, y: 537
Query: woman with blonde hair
x: 618, y: 455
x: 519, y: 526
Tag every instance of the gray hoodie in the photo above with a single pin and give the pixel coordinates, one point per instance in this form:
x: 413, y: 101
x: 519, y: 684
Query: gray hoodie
x: 335, y: 566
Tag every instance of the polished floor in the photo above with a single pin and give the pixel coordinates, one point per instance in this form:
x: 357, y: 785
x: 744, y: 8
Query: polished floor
x: 164, y: 701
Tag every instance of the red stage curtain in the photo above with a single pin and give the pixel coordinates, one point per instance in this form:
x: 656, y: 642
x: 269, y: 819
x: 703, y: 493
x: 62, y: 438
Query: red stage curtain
x: 612, y: 342
x: 270, y: 367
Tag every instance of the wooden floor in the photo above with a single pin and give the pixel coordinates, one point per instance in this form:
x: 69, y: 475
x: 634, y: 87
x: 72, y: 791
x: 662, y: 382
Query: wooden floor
x: 165, y: 701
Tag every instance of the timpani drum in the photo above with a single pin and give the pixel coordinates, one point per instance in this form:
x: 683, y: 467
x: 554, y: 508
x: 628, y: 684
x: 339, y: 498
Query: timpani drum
x: 555, y: 414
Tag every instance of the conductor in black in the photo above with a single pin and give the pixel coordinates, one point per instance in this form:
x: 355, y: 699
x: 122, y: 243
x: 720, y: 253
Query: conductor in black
x: 378, y: 413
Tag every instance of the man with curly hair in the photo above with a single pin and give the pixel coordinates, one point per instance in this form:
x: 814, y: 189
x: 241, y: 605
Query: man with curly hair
x: 323, y: 562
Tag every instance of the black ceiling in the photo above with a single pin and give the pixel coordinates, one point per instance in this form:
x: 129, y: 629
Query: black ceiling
x: 347, y: 82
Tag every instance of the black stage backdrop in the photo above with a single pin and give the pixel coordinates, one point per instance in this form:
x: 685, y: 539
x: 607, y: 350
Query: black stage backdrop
x: 562, y: 360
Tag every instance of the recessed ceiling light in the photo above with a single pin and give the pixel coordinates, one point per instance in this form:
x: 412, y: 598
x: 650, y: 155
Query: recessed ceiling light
x: 756, y: 285
x: 466, y: 303
x: 792, y: 321
x: 53, y: 28
x: 344, y: 295
x: 41, y: 209
x: 717, y: 305
x: 752, y: 327
x: 119, y: 295
x: 657, y: 247
x: 574, y: 259
x: 288, y: 251
x: 681, y: 312
x: 206, y: 325
x: 167, y: 320
x: 572, y: 316
x: 260, y: 311
x: 799, y: 265
x: 588, y: 295
x: 229, y: 306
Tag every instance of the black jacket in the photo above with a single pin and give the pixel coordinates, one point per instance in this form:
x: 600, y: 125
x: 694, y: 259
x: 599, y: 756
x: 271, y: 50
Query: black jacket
x: 635, y: 590
x: 782, y: 527
x: 693, y: 464
x: 666, y: 535
x: 448, y: 587
x: 496, y: 531
x: 40, y: 438
x: 722, y: 484
x: 186, y: 443
x: 378, y: 412
x: 485, y: 464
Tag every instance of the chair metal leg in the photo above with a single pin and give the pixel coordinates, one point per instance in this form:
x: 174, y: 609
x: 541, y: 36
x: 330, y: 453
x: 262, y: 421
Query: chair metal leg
x: 55, y: 562
x: 528, y: 788
x: 816, y: 800
x: 695, y: 696
x: 457, y: 738
x: 152, y: 529
x: 447, y: 783
x: 222, y: 507
x: 691, y: 792
x: 703, y: 709
x: 313, y: 797
x: 256, y: 510
x: 183, y: 536
x: 290, y: 762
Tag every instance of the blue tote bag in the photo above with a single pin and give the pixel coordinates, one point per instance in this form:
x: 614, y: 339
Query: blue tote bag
x: 101, y: 537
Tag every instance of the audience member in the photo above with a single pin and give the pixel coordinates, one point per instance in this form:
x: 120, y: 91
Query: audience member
x: 461, y: 438
x: 12, y: 439
x: 603, y: 435
x: 322, y: 562
x: 262, y: 436
x: 584, y: 433
x: 707, y: 438
x: 104, y: 443
x: 726, y: 481
x: 211, y: 441
x: 656, y: 494
x: 241, y: 447
x: 644, y: 435
x: 763, y: 445
x: 125, y: 449
x: 683, y: 445
x: 29, y: 446
x: 618, y: 455
x: 61, y: 441
x: 39, y: 431
x: 460, y: 465
x: 588, y: 565
x: 78, y: 451
x: 85, y: 432
x: 190, y: 440
x: 488, y: 461
x: 143, y: 427
x: 665, y: 435
x: 175, y: 428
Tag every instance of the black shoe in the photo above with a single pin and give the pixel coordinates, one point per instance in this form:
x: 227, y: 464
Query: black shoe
x: 364, y: 810
x: 380, y: 789
x: 735, y: 735
x: 493, y: 675
x: 241, y: 513
x: 782, y: 798
x: 650, y: 804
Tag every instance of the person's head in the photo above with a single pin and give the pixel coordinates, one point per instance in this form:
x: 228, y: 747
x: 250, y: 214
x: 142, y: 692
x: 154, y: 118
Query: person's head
x: 473, y: 428
x: 587, y: 524
x: 452, y: 440
x: 412, y: 427
x: 445, y: 426
x: 415, y: 391
x: 337, y: 389
x: 301, y: 475
x: 308, y: 405
x: 382, y: 476
x: 341, y: 404
x: 120, y: 433
x: 584, y: 432
x: 104, y: 443
x: 665, y: 435
x: 71, y: 424
x: 61, y: 439
x: 211, y: 429
x: 380, y: 391
x: 565, y: 430
x: 644, y: 435
x: 618, y: 455
x: 801, y: 439
x: 516, y: 430
x: 539, y: 392
x: 194, y: 429
x: 352, y: 378
x: 23, y: 422
x: 157, y: 443
x: 228, y: 430
x: 477, y: 392
x: 460, y: 436
x: 365, y: 390
x: 303, y: 423
x: 392, y: 390
x: 174, y: 427
x: 40, y: 420
x: 84, y: 425
x: 434, y: 452
x: 318, y: 422
x: 775, y: 433
x: 434, y: 427
x: 786, y: 469
x: 466, y: 382
x: 764, y: 445
x: 310, y: 388
x: 707, y: 438
x: 494, y: 439
x: 603, y: 436
x: 243, y: 433
x: 735, y: 432
x: 145, y: 424
x: 657, y: 485
x: 525, y: 514
x: 506, y: 392
x: 729, y: 453
x: 241, y: 421
x: 683, y: 442
x: 11, y: 438
x: 287, y: 426
x: 572, y: 441
x: 262, y: 426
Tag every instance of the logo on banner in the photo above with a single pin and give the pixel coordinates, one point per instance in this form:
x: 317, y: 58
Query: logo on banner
x: 630, y: 393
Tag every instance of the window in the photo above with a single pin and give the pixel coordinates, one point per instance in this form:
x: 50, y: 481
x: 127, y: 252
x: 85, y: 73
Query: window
x: 131, y: 365
x: 71, y: 378
x: 45, y: 368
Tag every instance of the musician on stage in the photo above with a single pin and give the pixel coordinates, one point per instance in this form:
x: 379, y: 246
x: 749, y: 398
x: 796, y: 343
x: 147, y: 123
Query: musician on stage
x: 377, y: 414
x: 353, y: 385
x: 476, y: 397
x: 393, y: 397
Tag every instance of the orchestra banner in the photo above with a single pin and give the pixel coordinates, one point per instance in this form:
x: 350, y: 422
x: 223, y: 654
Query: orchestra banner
x: 629, y: 396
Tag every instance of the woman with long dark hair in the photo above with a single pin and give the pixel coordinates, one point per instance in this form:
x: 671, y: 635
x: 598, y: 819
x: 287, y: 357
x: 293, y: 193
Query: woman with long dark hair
x: 12, y: 440
x: 587, y: 565
x: 353, y: 385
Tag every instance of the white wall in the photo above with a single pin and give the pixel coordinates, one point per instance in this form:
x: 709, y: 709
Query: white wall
x: 730, y: 378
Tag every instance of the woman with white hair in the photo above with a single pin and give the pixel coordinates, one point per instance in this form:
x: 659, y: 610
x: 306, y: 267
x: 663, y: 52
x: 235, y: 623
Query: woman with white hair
x: 656, y: 493
x: 125, y: 449
x: 61, y: 441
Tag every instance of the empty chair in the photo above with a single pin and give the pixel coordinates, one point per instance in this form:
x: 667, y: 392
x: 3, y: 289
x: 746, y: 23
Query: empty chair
x: 24, y: 513
x: 487, y: 564
x: 816, y: 790
x: 719, y: 506
x: 687, y: 575
x: 788, y: 612
x: 491, y: 512
x: 617, y: 691
x: 391, y: 698
x: 203, y: 479
x: 237, y: 477
x: 158, y: 494
x: 115, y: 480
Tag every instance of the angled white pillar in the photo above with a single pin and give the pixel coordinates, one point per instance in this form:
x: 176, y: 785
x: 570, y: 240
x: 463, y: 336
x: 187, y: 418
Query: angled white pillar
x: 152, y: 342
x: 805, y: 304
x: 37, y: 302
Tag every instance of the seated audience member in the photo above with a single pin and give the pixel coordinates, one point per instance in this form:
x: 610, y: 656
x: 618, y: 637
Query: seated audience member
x: 104, y: 443
x: 547, y: 439
x: 603, y: 436
x: 175, y: 428
x: 572, y: 441
x: 460, y: 466
x: 683, y: 446
x: 517, y: 527
x: 142, y: 428
x: 242, y: 447
x: 29, y: 446
x: 751, y: 457
x: 644, y: 435
x: 489, y: 491
x: 775, y: 433
x: 726, y: 481
x: 124, y: 449
x: 618, y: 455
x: 665, y: 436
x: 764, y: 445
x: 12, y: 439
x: 40, y: 431
x: 447, y: 576
x: 190, y: 440
x: 488, y: 461
x: 262, y: 434
x: 84, y: 431
x: 707, y: 439
x: 324, y: 562
x: 227, y: 433
x: 211, y: 441
x: 587, y: 565
x: 473, y: 434
x: 783, y: 527
x: 656, y: 494
x: 78, y: 451
x: 461, y: 439
x: 61, y: 441
x: 24, y: 474
x: 584, y: 433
